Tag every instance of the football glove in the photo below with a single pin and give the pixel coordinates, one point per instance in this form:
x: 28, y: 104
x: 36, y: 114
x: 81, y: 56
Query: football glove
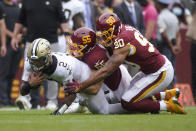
x: 72, y: 87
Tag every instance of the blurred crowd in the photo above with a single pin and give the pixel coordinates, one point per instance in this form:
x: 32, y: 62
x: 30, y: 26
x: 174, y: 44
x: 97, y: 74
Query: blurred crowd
x: 158, y: 20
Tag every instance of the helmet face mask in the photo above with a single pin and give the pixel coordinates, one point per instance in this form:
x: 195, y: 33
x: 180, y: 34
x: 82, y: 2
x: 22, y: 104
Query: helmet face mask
x: 38, y: 64
x: 106, y: 37
x: 108, y: 27
x: 75, y: 49
x: 81, y: 42
x: 39, y: 55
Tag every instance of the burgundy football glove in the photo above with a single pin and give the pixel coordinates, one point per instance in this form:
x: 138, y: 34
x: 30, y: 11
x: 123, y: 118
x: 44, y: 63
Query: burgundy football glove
x: 72, y: 87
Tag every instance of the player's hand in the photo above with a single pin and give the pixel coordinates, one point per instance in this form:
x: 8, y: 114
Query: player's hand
x: 36, y: 79
x: 14, y: 43
x: 73, y: 87
x: 3, y: 51
x: 19, y: 37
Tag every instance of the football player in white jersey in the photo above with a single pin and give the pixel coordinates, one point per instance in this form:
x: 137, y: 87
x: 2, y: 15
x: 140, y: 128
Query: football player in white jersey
x: 62, y: 68
x: 74, y: 14
x: 74, y: 11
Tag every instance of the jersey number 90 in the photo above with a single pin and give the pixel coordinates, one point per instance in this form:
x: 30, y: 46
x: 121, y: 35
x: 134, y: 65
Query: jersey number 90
x: 143, y: 41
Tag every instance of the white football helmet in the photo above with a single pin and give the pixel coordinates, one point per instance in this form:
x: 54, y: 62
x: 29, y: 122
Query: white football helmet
x: 39, y: 54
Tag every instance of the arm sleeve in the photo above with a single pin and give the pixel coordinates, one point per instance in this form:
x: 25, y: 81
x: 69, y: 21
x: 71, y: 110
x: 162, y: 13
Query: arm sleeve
x: 60, y: 13
x: 27, y: 70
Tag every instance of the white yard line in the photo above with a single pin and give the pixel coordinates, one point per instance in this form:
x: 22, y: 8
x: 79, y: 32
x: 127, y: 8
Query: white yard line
x: 9, y: 109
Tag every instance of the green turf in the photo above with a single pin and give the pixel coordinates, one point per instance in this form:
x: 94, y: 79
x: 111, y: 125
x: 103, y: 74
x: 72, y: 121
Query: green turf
x: 39, y: 120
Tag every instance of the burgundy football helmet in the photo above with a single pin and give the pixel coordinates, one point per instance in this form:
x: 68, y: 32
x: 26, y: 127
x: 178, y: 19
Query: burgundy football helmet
x: 82, y: 40
x: 108, y: 27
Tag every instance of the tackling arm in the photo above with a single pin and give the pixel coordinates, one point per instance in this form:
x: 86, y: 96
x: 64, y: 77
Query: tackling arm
x: 115, y: 60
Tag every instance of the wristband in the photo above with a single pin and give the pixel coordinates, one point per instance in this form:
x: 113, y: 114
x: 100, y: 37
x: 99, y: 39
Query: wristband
x: 25, y: 88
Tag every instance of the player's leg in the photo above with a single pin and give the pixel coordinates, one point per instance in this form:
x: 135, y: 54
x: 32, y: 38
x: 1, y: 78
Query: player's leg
x: 23, y: 102
x: 143, y: 86
x: 98, y: 104
x: 5, y: 63
x: 114, y: 96
x: 51, y: 95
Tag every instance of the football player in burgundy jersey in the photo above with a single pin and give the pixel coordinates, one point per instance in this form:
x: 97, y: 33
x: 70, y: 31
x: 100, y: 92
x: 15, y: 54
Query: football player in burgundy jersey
x: 83, y: 46
x: 126, y: 45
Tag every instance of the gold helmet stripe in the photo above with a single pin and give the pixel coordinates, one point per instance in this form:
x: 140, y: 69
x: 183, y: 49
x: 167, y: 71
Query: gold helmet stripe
x: 35, y: 47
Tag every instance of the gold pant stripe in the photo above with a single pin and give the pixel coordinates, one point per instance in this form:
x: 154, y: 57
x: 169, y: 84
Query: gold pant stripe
x: 152, y: 87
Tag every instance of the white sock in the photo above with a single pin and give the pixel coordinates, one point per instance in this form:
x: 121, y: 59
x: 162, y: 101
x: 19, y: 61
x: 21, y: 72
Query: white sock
x: 162, y: 95
x: 163, y: 106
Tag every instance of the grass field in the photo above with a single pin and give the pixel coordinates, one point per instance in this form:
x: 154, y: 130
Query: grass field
x: 40, y: 120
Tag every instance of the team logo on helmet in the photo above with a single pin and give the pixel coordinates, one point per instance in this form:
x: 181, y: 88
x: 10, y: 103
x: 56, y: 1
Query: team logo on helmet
x: 39, y: 54
x: 108, y: 27
x: 82, y: 40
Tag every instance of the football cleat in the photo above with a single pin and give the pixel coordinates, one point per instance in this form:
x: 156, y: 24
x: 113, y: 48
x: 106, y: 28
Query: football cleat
x: 23, y: 103
x: 172, y: 93
x: 174, y: 106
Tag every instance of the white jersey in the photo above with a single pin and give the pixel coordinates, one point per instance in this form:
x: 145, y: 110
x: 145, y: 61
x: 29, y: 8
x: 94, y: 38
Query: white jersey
x: 72, y: 8
x: 67, y: 69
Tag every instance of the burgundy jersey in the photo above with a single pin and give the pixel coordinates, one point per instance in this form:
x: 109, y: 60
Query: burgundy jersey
x: 142, y: 53
x: 96, y: 59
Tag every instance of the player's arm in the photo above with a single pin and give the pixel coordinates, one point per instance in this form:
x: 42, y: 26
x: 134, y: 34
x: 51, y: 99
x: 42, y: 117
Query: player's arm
x: 165, y: 37
x: 93, y: 90
x: 67, y: 102
x: 115, y: 60
x: 35, y: 80
x: 149, y: 29
x: 78, y: 21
